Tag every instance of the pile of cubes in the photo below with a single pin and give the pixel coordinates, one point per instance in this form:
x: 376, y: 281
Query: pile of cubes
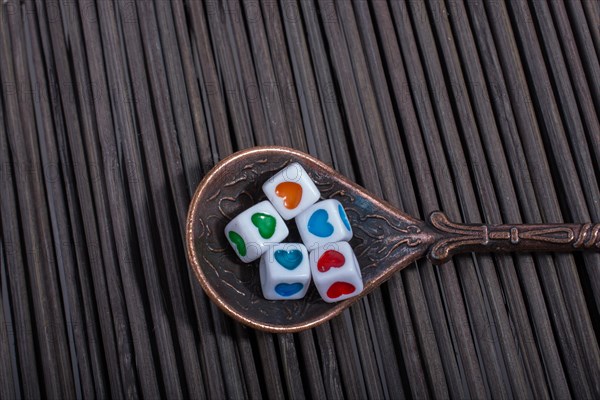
x: 286, y: 269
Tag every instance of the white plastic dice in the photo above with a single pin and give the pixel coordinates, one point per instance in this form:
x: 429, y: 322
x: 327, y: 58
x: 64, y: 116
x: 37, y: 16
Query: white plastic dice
x: 285, y: 272
x: 322, y: 223
x: 335, y: 272
x: 291, y: 191
x: 254, y: 230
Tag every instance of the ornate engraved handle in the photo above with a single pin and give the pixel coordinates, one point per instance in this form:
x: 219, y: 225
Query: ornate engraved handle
x: 452, y: 238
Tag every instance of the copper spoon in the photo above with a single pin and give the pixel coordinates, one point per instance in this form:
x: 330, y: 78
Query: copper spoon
x: 385, y: 239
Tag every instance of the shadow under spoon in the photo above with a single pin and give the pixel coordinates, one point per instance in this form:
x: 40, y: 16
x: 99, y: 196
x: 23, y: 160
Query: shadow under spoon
x: 385, y: 239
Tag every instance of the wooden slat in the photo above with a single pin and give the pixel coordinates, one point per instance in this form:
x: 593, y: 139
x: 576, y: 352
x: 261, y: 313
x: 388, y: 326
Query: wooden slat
x: 34, y: 220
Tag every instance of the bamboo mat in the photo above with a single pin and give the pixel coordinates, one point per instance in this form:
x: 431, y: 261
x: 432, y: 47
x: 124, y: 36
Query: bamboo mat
x: 112, y: 111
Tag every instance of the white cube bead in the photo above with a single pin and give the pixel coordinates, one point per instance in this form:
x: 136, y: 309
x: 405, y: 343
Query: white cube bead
x: 285, y: 272
x: 322, y: 223
x: 254, y: 230
x: 291, y: 191
x: 335, y: 272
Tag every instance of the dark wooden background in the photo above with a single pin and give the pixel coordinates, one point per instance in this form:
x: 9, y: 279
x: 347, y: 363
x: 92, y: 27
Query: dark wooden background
x: 112, y: 111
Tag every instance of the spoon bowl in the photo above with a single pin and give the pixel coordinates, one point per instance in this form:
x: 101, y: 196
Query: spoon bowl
x: 385, y: 240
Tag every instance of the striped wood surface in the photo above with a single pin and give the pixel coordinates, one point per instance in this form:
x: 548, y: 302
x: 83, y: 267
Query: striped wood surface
x: 112, y: 111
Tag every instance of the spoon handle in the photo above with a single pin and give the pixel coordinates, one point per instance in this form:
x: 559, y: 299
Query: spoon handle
x: 452, y: 238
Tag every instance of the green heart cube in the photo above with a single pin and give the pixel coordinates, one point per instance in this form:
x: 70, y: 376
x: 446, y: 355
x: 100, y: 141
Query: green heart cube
x: 254, y: 230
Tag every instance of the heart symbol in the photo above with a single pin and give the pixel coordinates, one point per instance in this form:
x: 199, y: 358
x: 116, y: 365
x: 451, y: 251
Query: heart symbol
x: 265, y: 224
x: 239, y: 242
x: 339, y: 289
x: 288, y: 289
x: 330, y: 259
x: 288, y: 259
x: 290, y: 192
x: 344, y: 217
x: 318, y: 225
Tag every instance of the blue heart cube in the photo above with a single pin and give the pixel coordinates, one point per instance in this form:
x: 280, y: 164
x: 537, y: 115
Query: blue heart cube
x: 322, y: 223
x: 285, y: 272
